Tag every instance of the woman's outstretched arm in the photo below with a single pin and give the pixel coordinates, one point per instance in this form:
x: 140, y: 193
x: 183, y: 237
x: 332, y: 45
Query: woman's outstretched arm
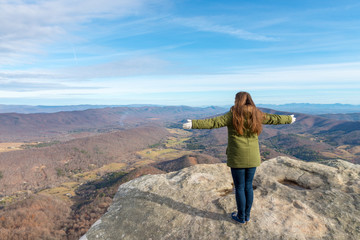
x: 276, y: 119
x: 216, y: 122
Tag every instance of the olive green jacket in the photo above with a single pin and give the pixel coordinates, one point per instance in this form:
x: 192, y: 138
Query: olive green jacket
x: 243, y: 150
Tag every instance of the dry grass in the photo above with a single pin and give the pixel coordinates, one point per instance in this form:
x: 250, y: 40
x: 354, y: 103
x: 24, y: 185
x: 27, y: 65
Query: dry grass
x: 153, y: 154
x: 343, y: 153
x: 175, y: 142
x: 173, y: 145
x: 67, y: 190
x: 354, y: 150
x: 64, y: 192
x: 13, y: 198
x: 13, y: 146
x: 141, y: 163
x: 344, y: 147
x: 162, y: 154
x: 8, y: 199
x: 174, y: 154
x: 96, y: 173
x: 178, y: 131
x: 113, y: 167
x: 339, y: 153
x: 86, y: 176
x: 329, y: 155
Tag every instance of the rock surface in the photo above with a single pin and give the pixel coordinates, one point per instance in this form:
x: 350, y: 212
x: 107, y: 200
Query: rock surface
x: 292, y: 200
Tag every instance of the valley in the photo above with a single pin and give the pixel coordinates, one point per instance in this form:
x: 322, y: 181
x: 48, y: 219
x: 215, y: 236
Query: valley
x: 79, y: 166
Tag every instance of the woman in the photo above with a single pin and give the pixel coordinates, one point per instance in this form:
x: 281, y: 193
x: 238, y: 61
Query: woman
x: 244, y: 123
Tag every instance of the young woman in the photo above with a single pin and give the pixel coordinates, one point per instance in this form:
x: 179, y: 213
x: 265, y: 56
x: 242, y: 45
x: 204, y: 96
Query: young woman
x: 244, y: 123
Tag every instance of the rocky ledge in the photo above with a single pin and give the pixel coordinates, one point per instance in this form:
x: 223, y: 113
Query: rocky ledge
x: 293, y: 200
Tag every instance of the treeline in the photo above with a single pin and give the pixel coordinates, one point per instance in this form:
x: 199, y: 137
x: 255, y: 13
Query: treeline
x: 37, y: 217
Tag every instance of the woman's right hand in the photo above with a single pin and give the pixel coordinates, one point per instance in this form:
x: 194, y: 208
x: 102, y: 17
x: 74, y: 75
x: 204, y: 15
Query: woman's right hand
x: 187, y: 125
x: 293, y: 119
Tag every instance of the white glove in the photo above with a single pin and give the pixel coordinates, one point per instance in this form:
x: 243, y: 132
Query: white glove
x: 187, y: 125
x: 293, y: 119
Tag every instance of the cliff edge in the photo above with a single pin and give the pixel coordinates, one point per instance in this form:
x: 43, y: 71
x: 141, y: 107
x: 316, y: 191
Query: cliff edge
x: 292, y: 200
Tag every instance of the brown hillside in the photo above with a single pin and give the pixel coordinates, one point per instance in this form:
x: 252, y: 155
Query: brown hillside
x: 185, y: 161
x: 306, y: 123
x: 48, y: 166
x: 140, y: 171
x: 38, y: 217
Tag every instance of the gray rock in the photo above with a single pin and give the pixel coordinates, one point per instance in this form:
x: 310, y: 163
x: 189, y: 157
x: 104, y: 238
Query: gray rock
x: 293, y: 200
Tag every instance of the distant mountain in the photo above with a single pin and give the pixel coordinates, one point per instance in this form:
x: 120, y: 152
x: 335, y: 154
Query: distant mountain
x: 45, y: 126
x: 343, y: 116
x: 53, y: 109
x: 314, y: 108
x: 290, y: 107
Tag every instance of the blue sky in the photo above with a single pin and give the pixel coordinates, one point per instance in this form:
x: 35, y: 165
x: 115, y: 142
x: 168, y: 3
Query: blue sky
x: 178, y: 52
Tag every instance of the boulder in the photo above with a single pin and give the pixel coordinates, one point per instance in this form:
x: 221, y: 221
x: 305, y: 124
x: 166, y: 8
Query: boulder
x: 293, y: 199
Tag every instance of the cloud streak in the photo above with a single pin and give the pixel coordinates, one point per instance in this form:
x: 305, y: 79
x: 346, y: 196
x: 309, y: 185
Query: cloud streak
x: 19, y: 87
x: 203, y: 24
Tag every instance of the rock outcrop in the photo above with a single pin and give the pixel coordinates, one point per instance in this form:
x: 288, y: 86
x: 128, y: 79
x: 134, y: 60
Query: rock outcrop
x: 292, y: 200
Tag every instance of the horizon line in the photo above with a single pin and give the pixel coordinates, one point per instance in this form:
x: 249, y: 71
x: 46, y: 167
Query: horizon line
x: 159, y: 105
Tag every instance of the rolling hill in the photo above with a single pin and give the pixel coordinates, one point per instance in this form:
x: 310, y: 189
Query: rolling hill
x: 74, y: 124
x: 47, y: 166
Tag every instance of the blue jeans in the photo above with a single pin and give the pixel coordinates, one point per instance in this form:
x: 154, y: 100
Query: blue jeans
x: 243, y: 178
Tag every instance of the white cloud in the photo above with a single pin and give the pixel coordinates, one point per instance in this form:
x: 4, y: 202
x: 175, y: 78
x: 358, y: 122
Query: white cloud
x: 132, y: 66
x: 26, y: 26
x: 314, y: 83
x: 114, y: 78
x: 203, y: 24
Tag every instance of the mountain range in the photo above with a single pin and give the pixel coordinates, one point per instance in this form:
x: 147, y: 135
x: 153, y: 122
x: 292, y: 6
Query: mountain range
x: 309, y: 108
x: 314, y: 109
x: 71, y: 124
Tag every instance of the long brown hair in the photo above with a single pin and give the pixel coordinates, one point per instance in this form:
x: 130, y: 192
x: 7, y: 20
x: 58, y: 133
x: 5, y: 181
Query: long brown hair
x: 246, y: 116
